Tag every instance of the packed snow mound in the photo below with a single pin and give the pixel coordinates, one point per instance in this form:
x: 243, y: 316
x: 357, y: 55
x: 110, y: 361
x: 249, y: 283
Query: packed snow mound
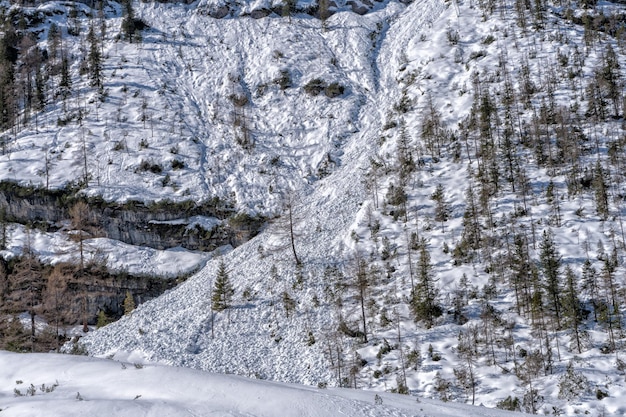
x: 63, y: 385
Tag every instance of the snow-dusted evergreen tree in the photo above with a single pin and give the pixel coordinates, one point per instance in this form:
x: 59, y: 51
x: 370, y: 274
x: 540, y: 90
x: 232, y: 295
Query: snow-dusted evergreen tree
x: 95, y: 61
x: 129, y: 303
x: 424, y: 298
x: 128, y: 23
x: 601, y: 191
x: 223, y: 291
x: 65, y: 83
x: 550, y: 266
x: 572, y: 307
x: 442, y: 211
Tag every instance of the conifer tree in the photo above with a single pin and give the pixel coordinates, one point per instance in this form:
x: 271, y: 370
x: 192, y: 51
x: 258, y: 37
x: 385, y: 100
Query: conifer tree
x: 432, y: 127
x: 80, y: 221
x: 40, y: 90
x: 287, y: 8
x: 65, y: 85
x: 73, y: 23
x: 3, y: 229
x: 55, y: 307
x: 572, y: 384
x: 609, y: 78
x: 397, y: 196
x: 223, y: 290
x: 442, y: 212
x: 521, y: 269
x: 528, y: 373
x: 361, y: 284
x: 26, y: 286
x: 4, y: 285
x: 95, y: 61
x: 289, y: 225
x: 572, y: 311
x: 466, y: 372
x: 7, y: 88
x: 600, y: 191
x: 324, y: 12
x: 471, y: 238
x: 611, y: 314
x: 54, y: 40
x: 591, y: 286
x: 129, y: 303
x: 550, y: 265
x: 424, y: 297
x: 289, y: 304
x: 128, y: 23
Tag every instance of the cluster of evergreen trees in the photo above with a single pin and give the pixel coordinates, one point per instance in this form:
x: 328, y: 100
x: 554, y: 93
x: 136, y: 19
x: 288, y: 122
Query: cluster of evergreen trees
x: 32, y: 77
x: 518, y: 125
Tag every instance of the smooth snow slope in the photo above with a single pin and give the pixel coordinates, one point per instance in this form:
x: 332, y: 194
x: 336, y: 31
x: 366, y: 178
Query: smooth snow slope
x: 98, y: 387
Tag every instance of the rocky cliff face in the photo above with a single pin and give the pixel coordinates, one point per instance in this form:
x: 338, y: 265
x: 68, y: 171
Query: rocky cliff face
x: 106, y: 292
x: 69, y: 295
x: 196, y: 226
x: 65, y: 296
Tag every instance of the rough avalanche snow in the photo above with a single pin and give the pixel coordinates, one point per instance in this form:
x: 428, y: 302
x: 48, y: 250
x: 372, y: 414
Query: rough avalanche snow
x: 171, y: 93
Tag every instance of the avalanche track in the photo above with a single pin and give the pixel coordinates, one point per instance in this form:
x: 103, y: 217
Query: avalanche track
x: 256, y: 338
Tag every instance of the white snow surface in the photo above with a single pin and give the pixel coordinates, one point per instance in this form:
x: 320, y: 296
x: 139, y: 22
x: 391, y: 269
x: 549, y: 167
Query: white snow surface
x: 255, y: 339
x: 314, y: 149
x: 118, y: 256
x: 92, y: 387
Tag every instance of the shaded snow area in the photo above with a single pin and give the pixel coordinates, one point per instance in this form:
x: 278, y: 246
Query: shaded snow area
x: 60, y: 385
x: 58, y: 247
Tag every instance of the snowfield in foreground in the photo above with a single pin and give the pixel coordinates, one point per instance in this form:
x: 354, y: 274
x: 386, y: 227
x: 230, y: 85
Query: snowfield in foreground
x: 64, y: 385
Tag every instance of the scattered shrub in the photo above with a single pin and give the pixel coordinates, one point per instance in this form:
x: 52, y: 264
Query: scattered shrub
x: 238, y: 100
x: 315, y: 86
x: 453, y: 36
x: 284, y: 81
x: 509, y: 404
x: 477, y: 54
x: 334, y: 90
x: 572, y: 384
x: 384, y: 349
x: 149, y: 166
x: 489, y: 39
x: 178, y: 164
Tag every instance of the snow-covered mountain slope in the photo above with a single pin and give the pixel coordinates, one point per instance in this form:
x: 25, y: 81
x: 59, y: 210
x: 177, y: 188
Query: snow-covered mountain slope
x: 256, y: 338
x: 226, y: 99
x: 218, y: 105
x: 58, y: 385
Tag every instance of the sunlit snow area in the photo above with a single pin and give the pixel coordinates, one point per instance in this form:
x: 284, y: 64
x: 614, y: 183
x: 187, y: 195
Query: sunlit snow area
x: 200, y: 108
x: 58, y: 385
